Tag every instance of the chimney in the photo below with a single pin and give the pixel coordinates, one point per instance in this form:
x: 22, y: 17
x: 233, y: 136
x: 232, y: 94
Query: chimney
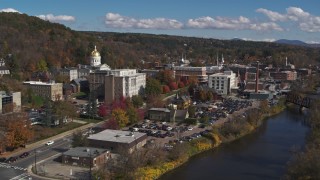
x: 257, y: 77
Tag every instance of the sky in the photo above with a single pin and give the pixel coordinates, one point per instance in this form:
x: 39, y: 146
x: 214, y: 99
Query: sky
x: 256, y: 20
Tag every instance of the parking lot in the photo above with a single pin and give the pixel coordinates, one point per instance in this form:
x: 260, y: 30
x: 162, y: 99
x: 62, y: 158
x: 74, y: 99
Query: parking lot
x: 164, y: 133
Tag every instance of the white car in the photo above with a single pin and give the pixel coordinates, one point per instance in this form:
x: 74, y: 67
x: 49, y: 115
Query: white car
x: 190, y: 128
x: 49, y: 143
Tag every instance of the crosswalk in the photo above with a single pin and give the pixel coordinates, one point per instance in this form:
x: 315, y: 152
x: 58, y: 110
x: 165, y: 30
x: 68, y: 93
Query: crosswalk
x: 23, y: 176
x: 6, y: 165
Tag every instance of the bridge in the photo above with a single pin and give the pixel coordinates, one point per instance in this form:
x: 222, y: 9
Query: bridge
x: 299, y: 100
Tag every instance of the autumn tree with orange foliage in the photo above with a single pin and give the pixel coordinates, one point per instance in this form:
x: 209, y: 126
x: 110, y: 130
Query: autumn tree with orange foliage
x: 19, y: 130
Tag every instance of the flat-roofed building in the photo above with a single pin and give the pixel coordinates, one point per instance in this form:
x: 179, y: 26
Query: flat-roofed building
x: 114, y: 84
x: 71, y: 73
x: 187, y: 72
x: 50, y: 90
x: 10, y: 102
x: 85, y: 156
x: 118, y: 141
x: 160, y: 114
x: 223, y: 82
x: 284, y: 75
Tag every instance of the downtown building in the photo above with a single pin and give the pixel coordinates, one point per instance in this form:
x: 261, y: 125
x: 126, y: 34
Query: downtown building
x: 10, y: 102
x: 223, y: 82
x: 114, y: 84
x: 50, y: 90
x: 187, y: 72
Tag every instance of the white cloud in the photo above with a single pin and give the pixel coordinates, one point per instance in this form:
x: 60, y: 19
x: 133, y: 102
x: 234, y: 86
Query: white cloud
x: 274, y: 16
x: 313, y: 42
x: 119, y: 21
x: 241, y: 23
x: 219, y: 23
x: 305, y: 21
x: 59, y: 18
x: 10, y: 10
x: 268, y: 26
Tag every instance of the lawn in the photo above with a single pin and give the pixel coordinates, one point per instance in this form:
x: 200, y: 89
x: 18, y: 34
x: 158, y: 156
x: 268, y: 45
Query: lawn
x: 42, y: 132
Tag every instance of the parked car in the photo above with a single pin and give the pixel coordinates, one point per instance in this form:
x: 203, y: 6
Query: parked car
x: 11, y: 160
x: 49, y: 143
x: 25, y: 154
x: 3, y: 159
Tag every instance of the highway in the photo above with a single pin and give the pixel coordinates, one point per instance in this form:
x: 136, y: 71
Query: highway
x: 18, y: 169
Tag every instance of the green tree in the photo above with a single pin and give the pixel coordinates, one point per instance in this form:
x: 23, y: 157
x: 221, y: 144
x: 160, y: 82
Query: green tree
x: 204, y: 119
x: 132, y: 115
x: 121, y: 117
x: 202, y: 95
x: 209, y: 96
x: 48, y: 112
x: 92, y: 108
x: 192, y: 111
x: 42, y: 65
x: 37, y: 101
x: 13, y: 65
x: 153, y: 87
x: 64, y: 109
x: 165, y: 76
x: 137, y: 101
x: 79, y: 140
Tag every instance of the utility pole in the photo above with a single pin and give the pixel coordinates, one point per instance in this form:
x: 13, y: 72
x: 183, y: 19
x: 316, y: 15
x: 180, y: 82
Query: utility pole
x: 35, y: 160
x: 90, y: 164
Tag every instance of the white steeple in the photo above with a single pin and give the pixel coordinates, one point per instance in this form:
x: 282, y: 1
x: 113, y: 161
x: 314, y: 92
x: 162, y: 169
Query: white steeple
x: 222, y: 59
x: 217, y: 59
x: 286, y: 61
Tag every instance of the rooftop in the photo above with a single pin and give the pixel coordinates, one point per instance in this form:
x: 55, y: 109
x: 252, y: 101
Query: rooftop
x: 160, y: 109
x: 116, y: 136
x: 84, y: 152
x: 40, y: 83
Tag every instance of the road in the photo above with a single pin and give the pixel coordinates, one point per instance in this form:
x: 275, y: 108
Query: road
x: 18, y: 169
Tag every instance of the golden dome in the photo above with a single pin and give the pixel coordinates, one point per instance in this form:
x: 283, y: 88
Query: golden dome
x: 95, y: 53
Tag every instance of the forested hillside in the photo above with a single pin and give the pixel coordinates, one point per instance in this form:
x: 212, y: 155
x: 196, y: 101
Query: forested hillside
x: 31, y: 41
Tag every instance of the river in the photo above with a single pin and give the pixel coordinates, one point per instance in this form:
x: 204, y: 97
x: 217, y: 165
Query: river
x: 262, y: 154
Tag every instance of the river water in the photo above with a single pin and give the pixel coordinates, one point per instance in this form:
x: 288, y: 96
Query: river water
x: 260, y: 155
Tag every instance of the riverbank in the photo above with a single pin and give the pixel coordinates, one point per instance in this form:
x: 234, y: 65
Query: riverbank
x: 231, y: 130
x: 306, y: 163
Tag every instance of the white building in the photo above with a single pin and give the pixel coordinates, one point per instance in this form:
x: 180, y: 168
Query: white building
x: 72, y: 73
x: 113, y: 84
x: 223, y: 82
x: 123, y: 83
x: 3, y: 68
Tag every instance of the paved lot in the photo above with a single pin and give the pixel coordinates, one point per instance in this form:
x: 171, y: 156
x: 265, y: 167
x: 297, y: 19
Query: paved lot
x: 162, y: 141
x: 54, y: 169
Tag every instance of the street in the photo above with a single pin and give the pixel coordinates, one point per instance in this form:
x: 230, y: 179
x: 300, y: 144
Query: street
x: 18, y: 169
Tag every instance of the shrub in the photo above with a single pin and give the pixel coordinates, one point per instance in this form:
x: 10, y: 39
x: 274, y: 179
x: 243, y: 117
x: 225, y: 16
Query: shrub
x: 165, y: 89
x: 181, y: 84
x: 173, y: 85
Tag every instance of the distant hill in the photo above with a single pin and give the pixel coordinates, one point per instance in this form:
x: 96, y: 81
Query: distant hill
x: 291, y: 42
x: 31, y: 40
x: 296, y: 42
